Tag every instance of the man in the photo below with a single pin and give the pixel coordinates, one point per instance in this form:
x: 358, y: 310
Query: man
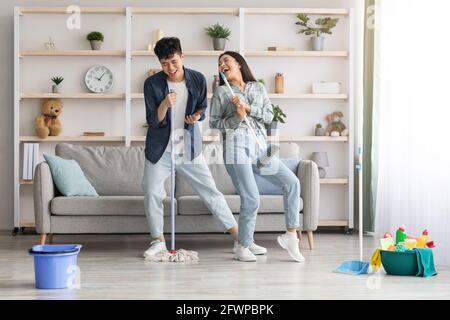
x: 187, y: 98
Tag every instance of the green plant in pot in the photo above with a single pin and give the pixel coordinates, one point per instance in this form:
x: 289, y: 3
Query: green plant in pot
x: 323, y: 25
x: 96, y: 39
x: 320, y: 131
x: 219, y: 35
x: 278, y: 116
x: 56, y: 82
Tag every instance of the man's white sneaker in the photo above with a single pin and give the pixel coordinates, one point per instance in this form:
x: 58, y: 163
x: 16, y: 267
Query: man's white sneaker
x: 254, y: 248
x: 244, y: 254
x: 290, y: 244
x: 156, y: 246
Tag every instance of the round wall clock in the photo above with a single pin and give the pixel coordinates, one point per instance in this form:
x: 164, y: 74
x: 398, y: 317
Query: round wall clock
x: 99, y: 79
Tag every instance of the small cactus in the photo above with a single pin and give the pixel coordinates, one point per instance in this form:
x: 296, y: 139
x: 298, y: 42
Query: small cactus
x: 57, y: 80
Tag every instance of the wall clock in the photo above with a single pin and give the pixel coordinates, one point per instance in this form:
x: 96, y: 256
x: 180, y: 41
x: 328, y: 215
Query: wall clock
x: 99, y: 79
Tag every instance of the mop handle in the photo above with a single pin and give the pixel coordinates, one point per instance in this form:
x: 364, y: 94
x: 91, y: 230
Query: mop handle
x: 360, y: 202
x: 245, y: 117
x: 172, y: 176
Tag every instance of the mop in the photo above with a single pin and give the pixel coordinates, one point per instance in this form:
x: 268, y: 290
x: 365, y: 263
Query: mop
x: 357, y: 266
x: 172, y: 255
x: 271, y: 149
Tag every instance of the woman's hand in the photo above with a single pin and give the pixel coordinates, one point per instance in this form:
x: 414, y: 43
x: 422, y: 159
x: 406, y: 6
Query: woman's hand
x: 241, y: 107
x: 191, y: 119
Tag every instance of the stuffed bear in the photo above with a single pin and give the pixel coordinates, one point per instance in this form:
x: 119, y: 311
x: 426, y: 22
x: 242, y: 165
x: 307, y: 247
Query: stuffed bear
x: 48, y: 124
x: 335, y: 126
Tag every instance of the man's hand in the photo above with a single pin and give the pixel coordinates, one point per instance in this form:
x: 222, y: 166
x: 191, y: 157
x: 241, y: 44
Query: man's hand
x: 191, y: 119
x: 241, y: 107
x: 170, y: 100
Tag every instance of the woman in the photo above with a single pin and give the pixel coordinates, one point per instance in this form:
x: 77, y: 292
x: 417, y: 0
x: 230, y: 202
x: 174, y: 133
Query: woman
x: 241, y: 151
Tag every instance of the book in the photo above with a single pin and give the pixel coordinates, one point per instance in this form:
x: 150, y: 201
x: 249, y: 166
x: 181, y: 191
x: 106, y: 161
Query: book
x: 35, y: 157
x: 280, y: 49
x: 93, y: 133
x: 30, y: 161
x: 25, y: 162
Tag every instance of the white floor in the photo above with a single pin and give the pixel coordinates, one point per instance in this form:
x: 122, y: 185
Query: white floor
x: 112, y: 268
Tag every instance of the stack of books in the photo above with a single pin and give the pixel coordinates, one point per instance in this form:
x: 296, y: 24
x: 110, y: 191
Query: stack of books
x: 30, y: 160
x: 93, y: 133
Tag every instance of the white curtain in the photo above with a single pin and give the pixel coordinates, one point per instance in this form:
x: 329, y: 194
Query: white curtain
x: 411, y: 141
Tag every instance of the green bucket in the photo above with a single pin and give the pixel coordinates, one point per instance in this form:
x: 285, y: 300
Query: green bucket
x: 399, y: 263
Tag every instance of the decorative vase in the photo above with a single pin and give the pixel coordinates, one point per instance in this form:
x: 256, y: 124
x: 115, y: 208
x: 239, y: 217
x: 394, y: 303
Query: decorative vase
x: 55, y: 88
x: 320, y: 132
x: 279, y: 83
x: 219, y: 44
x: 96, y: 44
x: 317, y: 43
x: 271, y: 129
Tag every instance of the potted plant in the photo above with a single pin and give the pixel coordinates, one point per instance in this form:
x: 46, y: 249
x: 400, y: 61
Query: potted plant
x: 278, y: 116
x: 323, y: 25
x: 320, y: 131
x: 56, y: 81
x: 96, y: 39
x: 219, y: 34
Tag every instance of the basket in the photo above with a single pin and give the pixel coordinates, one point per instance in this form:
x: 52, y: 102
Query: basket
x: 400, y: 263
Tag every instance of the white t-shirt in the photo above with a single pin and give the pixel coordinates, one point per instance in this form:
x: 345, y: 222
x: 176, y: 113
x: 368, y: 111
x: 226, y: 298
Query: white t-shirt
x: 180, y: 112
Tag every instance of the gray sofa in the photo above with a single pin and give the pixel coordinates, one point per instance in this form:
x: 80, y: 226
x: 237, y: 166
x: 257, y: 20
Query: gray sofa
x: 116, y: 174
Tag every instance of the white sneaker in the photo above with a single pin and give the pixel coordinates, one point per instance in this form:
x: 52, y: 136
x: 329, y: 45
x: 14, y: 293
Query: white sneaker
x: 155, y: 247
x: 290, y: 243
x: 244, y: 254
x: 254, y: 248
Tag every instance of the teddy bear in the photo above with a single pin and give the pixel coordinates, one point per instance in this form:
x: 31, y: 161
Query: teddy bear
x: 47, y: 123
x: 335, y: 126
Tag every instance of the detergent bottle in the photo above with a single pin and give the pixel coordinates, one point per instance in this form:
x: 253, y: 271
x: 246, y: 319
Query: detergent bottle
x: 400, y: 235
x: 422, y: 239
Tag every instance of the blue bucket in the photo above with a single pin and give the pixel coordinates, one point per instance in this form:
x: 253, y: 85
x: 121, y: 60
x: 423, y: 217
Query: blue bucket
x: 53, y: 264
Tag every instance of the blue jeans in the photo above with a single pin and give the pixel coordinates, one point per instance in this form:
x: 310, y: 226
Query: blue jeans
x: 197, y: 173
x: 240, y: 157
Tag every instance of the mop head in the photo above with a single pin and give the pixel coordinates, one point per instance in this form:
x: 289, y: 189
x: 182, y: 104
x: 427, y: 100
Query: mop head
x: 180, y: 255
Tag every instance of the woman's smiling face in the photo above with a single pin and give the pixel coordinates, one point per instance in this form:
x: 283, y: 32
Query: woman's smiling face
x: 230, y: 67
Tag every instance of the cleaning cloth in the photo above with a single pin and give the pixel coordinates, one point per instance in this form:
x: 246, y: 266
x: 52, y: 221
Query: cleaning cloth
x: 425, y: 262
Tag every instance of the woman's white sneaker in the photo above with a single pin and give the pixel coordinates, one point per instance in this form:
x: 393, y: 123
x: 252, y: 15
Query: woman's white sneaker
x: 254, y: 248
x: 289, y: 242
x: 244, y: 254
x: 156, y: 246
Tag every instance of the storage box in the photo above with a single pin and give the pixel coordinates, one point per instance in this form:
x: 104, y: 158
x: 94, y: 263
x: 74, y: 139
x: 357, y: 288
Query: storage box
x: 326, y: 87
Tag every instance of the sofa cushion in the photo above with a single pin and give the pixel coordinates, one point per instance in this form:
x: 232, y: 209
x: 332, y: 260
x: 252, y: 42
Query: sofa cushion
x: 220, y: 176
x: 69, y: 178
x: 193, y: 205
x: 103, y: 206
x: 112, y: 170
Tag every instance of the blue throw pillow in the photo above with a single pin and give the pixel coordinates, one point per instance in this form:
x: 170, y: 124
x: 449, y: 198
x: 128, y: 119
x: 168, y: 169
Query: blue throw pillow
x: 266, y: 187
x: 69, y: 178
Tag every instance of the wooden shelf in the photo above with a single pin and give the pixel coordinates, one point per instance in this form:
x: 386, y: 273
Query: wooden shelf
x: 308, y: 96
x: 104, y: 10
x: 77, y: 53
x: 288, y: 139
x: 32, y: 95
x: 27, y: 182
x: 146, y: 10
x: 334, y: 181
x: 296, y: 53
x: 311, y: 11
x: 299, y: 96
x: 198, y: 53
x: 71, y: 138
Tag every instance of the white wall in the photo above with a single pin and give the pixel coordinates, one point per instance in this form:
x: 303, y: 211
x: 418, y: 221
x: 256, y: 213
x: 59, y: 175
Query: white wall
x: 112, y: 121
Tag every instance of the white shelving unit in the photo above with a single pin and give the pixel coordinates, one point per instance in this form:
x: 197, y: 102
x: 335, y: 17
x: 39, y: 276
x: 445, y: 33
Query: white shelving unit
x: 127, y: 54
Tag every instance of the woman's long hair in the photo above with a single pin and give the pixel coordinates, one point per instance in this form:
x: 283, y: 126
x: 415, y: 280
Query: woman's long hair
x: 245, y: 70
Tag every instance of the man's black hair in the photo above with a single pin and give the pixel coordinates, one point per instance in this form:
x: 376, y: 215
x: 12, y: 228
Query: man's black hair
x: 166, y: 47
